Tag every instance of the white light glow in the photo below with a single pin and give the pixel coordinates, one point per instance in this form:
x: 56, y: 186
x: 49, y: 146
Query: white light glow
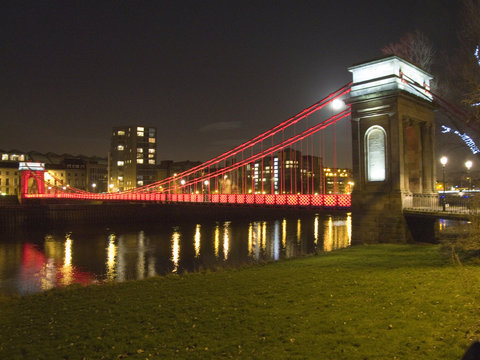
x: 466, y: 139
x: 390, y: 74
x: 337, y: 104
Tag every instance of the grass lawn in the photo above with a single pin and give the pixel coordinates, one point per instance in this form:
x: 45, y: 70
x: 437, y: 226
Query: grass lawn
x: 366, y: 302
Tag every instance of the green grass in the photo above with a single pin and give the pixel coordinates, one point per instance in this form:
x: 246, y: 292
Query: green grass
x: 369, y: 302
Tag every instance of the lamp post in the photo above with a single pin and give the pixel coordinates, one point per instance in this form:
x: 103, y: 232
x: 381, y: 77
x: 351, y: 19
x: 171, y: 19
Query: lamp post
x: 443, y: 161
x: 206, y: 183
x: 468, y: 165
x: 94, y: 186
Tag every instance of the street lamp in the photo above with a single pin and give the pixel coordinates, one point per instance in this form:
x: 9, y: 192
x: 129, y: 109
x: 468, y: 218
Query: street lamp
x: 206, y: 183
x: 337, y: 104
x: 94, y: 186
x: 468, y: 165
x: 443, y: 161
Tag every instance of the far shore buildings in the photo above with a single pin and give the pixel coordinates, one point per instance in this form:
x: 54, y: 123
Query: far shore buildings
x: 77, y: 171
x: 132, y: 163
x: 133, y: 157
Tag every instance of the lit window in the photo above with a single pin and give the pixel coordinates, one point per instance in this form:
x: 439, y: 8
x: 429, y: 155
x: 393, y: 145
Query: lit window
x: 120, y: 148
x: 120, y: 132
x: 375, y: 153
x: 139, y: 161
x: 151, y: 140
x: 140, y: 182
x: 151, y: 161
x: 140, y: 133
x: 120, y: 163
x: 140, y: 150
x: 151, y: 156
x: 120, y: 178
x: 140, y: 128
x: 4, y: 156
x: 151, y: 151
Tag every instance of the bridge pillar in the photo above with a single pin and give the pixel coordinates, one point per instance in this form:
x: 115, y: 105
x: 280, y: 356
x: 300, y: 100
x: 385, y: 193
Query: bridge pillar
x: 32, y: 178
x: 393, y: 150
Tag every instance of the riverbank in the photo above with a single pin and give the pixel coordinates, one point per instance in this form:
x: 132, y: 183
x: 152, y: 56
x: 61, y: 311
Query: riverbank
x: 371, y: 302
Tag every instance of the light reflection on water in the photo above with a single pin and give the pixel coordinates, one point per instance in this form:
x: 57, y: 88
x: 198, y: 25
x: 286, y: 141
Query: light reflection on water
x: 59, y: 259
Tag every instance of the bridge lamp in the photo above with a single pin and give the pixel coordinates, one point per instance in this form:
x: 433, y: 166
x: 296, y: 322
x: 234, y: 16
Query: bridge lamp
x: 337, y: 104
x: 182, y: 181
x: 94, y: 186
x: 443, y: 161
x: 206, y: 182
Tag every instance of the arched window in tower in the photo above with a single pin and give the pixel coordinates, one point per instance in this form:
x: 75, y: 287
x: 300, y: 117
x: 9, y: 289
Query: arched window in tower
x: 375, y: 153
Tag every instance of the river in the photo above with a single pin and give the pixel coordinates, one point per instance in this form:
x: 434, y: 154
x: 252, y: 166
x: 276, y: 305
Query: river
x: 41, y: 259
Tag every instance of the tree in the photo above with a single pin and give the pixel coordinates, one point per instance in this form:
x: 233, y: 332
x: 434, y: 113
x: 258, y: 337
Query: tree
x: 414, y: 47
x: 466, y: 69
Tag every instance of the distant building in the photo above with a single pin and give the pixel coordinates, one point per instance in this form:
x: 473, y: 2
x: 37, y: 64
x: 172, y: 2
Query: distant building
x: 132, y: 157
x: 168, y: 168
x: 285, y: 172
x: 338, y: 181
x: 65, y: 170
x: 9, y: 178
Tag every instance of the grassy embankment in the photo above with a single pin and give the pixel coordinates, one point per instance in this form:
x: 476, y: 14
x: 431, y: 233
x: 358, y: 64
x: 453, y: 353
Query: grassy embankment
x: 374, y: 302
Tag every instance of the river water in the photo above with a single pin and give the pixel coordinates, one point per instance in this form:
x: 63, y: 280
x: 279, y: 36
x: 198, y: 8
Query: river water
x: 40, y: 259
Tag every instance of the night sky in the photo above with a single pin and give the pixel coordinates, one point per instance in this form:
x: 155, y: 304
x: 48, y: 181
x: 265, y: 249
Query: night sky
x: 208, y: 74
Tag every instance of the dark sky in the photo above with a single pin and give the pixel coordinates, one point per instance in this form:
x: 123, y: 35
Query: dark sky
x: 208, y: 74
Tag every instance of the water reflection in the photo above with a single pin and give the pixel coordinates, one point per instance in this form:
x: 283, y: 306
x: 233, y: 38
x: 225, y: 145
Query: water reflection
x: 197, y: 240
x: 337, y: 233
x: 226, y: 239
x: 94, y: 255
x: 315, y: 229
x: 67, y: 268
x: 175, y: 249
x: 111, y: 257
x: 217, y: 239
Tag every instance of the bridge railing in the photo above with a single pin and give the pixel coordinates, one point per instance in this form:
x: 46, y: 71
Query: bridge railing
x: 452, y: 203
x: 342, y: 201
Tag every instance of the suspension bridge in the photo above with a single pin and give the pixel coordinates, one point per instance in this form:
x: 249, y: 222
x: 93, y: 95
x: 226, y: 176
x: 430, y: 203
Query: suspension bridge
x: 387, y: 115
x: 283, y: 166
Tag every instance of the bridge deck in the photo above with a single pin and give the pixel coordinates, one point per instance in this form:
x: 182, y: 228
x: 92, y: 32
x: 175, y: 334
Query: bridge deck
x: 304, y: 200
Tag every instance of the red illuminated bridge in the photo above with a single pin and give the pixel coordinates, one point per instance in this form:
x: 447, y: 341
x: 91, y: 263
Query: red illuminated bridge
x: 283, y: 166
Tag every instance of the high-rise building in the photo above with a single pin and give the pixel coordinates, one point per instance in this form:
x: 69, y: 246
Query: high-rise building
x: 132, y: 158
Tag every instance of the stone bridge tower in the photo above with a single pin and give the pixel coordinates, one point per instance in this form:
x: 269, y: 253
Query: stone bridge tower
x: 393, y: 149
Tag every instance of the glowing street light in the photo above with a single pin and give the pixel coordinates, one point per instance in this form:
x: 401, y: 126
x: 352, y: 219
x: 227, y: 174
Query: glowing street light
x: 182, y: 182
x: 94, y: 186
x: 468, y: 165
x: 206, y: 183
x: 337, y: 104
x: 443, y: 161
